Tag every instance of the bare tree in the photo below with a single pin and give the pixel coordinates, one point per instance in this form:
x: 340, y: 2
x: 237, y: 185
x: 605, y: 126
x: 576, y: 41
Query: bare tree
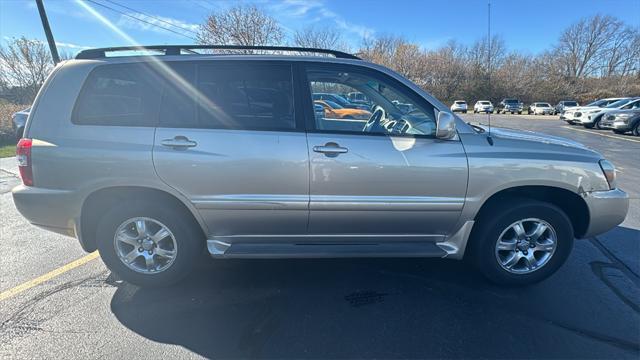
x: 24, y: 66
x: 241, y: 25
x: 319, y: 38
x: 582, y: 45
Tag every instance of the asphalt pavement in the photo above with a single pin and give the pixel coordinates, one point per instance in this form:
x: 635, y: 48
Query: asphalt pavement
x: 53, y: 305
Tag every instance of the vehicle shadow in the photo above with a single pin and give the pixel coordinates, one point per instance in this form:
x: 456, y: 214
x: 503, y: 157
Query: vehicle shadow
x: 384, y: 308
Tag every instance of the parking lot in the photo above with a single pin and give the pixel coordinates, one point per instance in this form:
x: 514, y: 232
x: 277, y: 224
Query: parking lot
x: 56, y: 301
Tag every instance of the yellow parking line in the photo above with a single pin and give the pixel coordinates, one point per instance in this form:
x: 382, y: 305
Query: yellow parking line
x: 597, y: 133
x: 48, y: 276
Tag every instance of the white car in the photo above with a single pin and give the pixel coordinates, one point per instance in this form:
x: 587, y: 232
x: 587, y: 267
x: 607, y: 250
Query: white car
x: 591, y: 118
x: 541, y: 108
x: 573, y: 115
x: 483, y: 106
x: 459, y: 106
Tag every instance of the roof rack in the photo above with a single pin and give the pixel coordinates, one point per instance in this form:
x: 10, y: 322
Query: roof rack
x: 178, y: 50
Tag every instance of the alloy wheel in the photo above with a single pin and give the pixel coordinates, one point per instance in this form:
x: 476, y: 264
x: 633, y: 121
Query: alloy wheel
x: 145, y: 245
x: 526, y: 245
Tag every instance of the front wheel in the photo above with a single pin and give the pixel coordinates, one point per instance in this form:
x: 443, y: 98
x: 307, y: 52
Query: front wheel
x: 521, y: 244
x: 636, y: 129
x: 148, y: 245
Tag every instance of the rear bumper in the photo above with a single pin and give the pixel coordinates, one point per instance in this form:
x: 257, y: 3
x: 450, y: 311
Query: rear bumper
x: 607, y: 209
x: 53, y: 210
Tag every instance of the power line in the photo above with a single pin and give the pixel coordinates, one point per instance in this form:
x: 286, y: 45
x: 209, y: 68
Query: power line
x: 152, y: 16
x: 142, y: 20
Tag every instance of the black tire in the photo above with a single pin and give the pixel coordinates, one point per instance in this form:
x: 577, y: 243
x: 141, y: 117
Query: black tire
x: 619, y: 132
x: 464, y: 111
x: 19, y: 133
x: 588, y: 126
x: 487, y: 231
x: 636, y: 129
x: 188, y: 236
x: 519, y: 112
x: 596, y: 123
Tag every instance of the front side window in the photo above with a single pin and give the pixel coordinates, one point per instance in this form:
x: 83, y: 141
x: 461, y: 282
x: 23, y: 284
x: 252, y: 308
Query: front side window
x: 119, y: 95
x: 391, y: 109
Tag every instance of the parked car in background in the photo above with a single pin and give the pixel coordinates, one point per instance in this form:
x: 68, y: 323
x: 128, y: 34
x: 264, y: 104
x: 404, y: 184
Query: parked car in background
x: 18, y: 121
x: 540, y: 108
x: 358, y: 98
x: 510, y: 106
x: 336, y: 111
x: 484, y: 106
x: 563, y: 105
x: 592, y: 118
x: 459, y: 106
x: 573, y: 115
x: 133, y: 166
x: 622, y: 121
x: 338, y: 99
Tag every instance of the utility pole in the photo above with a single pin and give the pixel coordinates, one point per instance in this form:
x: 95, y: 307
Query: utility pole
x: 47, y: 32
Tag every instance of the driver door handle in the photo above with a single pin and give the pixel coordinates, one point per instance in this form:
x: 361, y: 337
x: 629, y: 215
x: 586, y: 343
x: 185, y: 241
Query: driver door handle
x: 330, y: 149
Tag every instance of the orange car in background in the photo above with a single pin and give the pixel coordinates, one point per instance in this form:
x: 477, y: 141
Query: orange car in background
x: 335, y: 111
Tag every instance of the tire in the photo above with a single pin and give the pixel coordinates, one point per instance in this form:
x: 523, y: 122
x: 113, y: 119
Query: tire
x: 636, y: 129
x: 494, y: 224
x: 464, y: 112
x: 596, y: 123
x: 519, y: 112
x: 19, y: 133
x: 588, y: 126
x: 619, y: 132
x: 183, y: 229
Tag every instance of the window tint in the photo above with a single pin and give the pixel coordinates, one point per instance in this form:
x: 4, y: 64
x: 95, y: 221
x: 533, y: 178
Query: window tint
x: 178, y: 108
x: 245, y: 96
x: 122, y: 94
x: 390, y: 109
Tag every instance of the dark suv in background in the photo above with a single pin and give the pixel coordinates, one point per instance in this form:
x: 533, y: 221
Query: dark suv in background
x: 510, y: 105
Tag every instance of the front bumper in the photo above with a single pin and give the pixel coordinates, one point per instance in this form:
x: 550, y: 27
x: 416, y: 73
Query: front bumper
x: 607, y: 209
x: 615, y: 125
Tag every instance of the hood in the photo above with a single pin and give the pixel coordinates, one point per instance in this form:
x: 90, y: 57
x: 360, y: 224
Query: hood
x: 535, y: 137
x: 583, y: 108
x: 625, y: 111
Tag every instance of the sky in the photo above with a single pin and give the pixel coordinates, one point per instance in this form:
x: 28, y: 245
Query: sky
x: 527, y: 26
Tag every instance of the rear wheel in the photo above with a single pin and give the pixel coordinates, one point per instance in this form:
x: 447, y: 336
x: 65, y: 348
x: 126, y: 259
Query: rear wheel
x: 636, y: 129
x: 588, y: 126
x: 619, y: 132
x: 596, y: 123
x: 521, y: 244
x: 148, y: 245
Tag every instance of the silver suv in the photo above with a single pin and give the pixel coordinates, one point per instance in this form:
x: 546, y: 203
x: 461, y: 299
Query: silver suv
x: 151, y: 159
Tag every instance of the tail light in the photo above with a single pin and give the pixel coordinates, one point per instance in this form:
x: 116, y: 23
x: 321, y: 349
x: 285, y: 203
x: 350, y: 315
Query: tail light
x: 23, y: 155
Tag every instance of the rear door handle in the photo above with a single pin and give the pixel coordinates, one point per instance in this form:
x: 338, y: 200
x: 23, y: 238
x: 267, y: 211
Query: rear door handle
x: 179, y: 142
x: 330, y: 149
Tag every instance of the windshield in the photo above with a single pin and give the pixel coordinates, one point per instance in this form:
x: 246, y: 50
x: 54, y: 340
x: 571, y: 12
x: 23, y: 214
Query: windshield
x: 485, y: 103
x: 460, y: 102
x: 617, y: 104
x: 570, y: 103
x: 598, y: 103
x: 340, y: 100
x: 511, y: 101
x: 544, y: 105
x: 333, y: 104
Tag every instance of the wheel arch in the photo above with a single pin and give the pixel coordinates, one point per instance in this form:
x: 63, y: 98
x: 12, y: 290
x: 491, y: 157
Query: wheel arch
x: 102, y: 199
x: 568, y: 201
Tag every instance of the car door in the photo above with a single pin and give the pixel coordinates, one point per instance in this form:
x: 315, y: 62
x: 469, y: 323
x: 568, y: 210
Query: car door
x: 383, y: 179
x: 230, y: 141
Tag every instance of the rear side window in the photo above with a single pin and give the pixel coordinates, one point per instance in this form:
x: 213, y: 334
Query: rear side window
x: 245, y: 96
x: 119, y: 95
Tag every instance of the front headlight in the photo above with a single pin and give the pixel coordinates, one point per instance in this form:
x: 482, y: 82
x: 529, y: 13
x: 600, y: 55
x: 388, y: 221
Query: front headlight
x: 609, y: 172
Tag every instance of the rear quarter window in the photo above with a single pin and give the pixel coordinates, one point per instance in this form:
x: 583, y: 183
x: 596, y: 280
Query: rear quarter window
x: 119, y: 95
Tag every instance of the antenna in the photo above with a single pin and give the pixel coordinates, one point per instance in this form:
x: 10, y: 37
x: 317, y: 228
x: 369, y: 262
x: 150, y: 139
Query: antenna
x: 489, y: 138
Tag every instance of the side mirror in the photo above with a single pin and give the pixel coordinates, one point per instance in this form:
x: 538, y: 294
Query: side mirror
x: 446, y: 126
